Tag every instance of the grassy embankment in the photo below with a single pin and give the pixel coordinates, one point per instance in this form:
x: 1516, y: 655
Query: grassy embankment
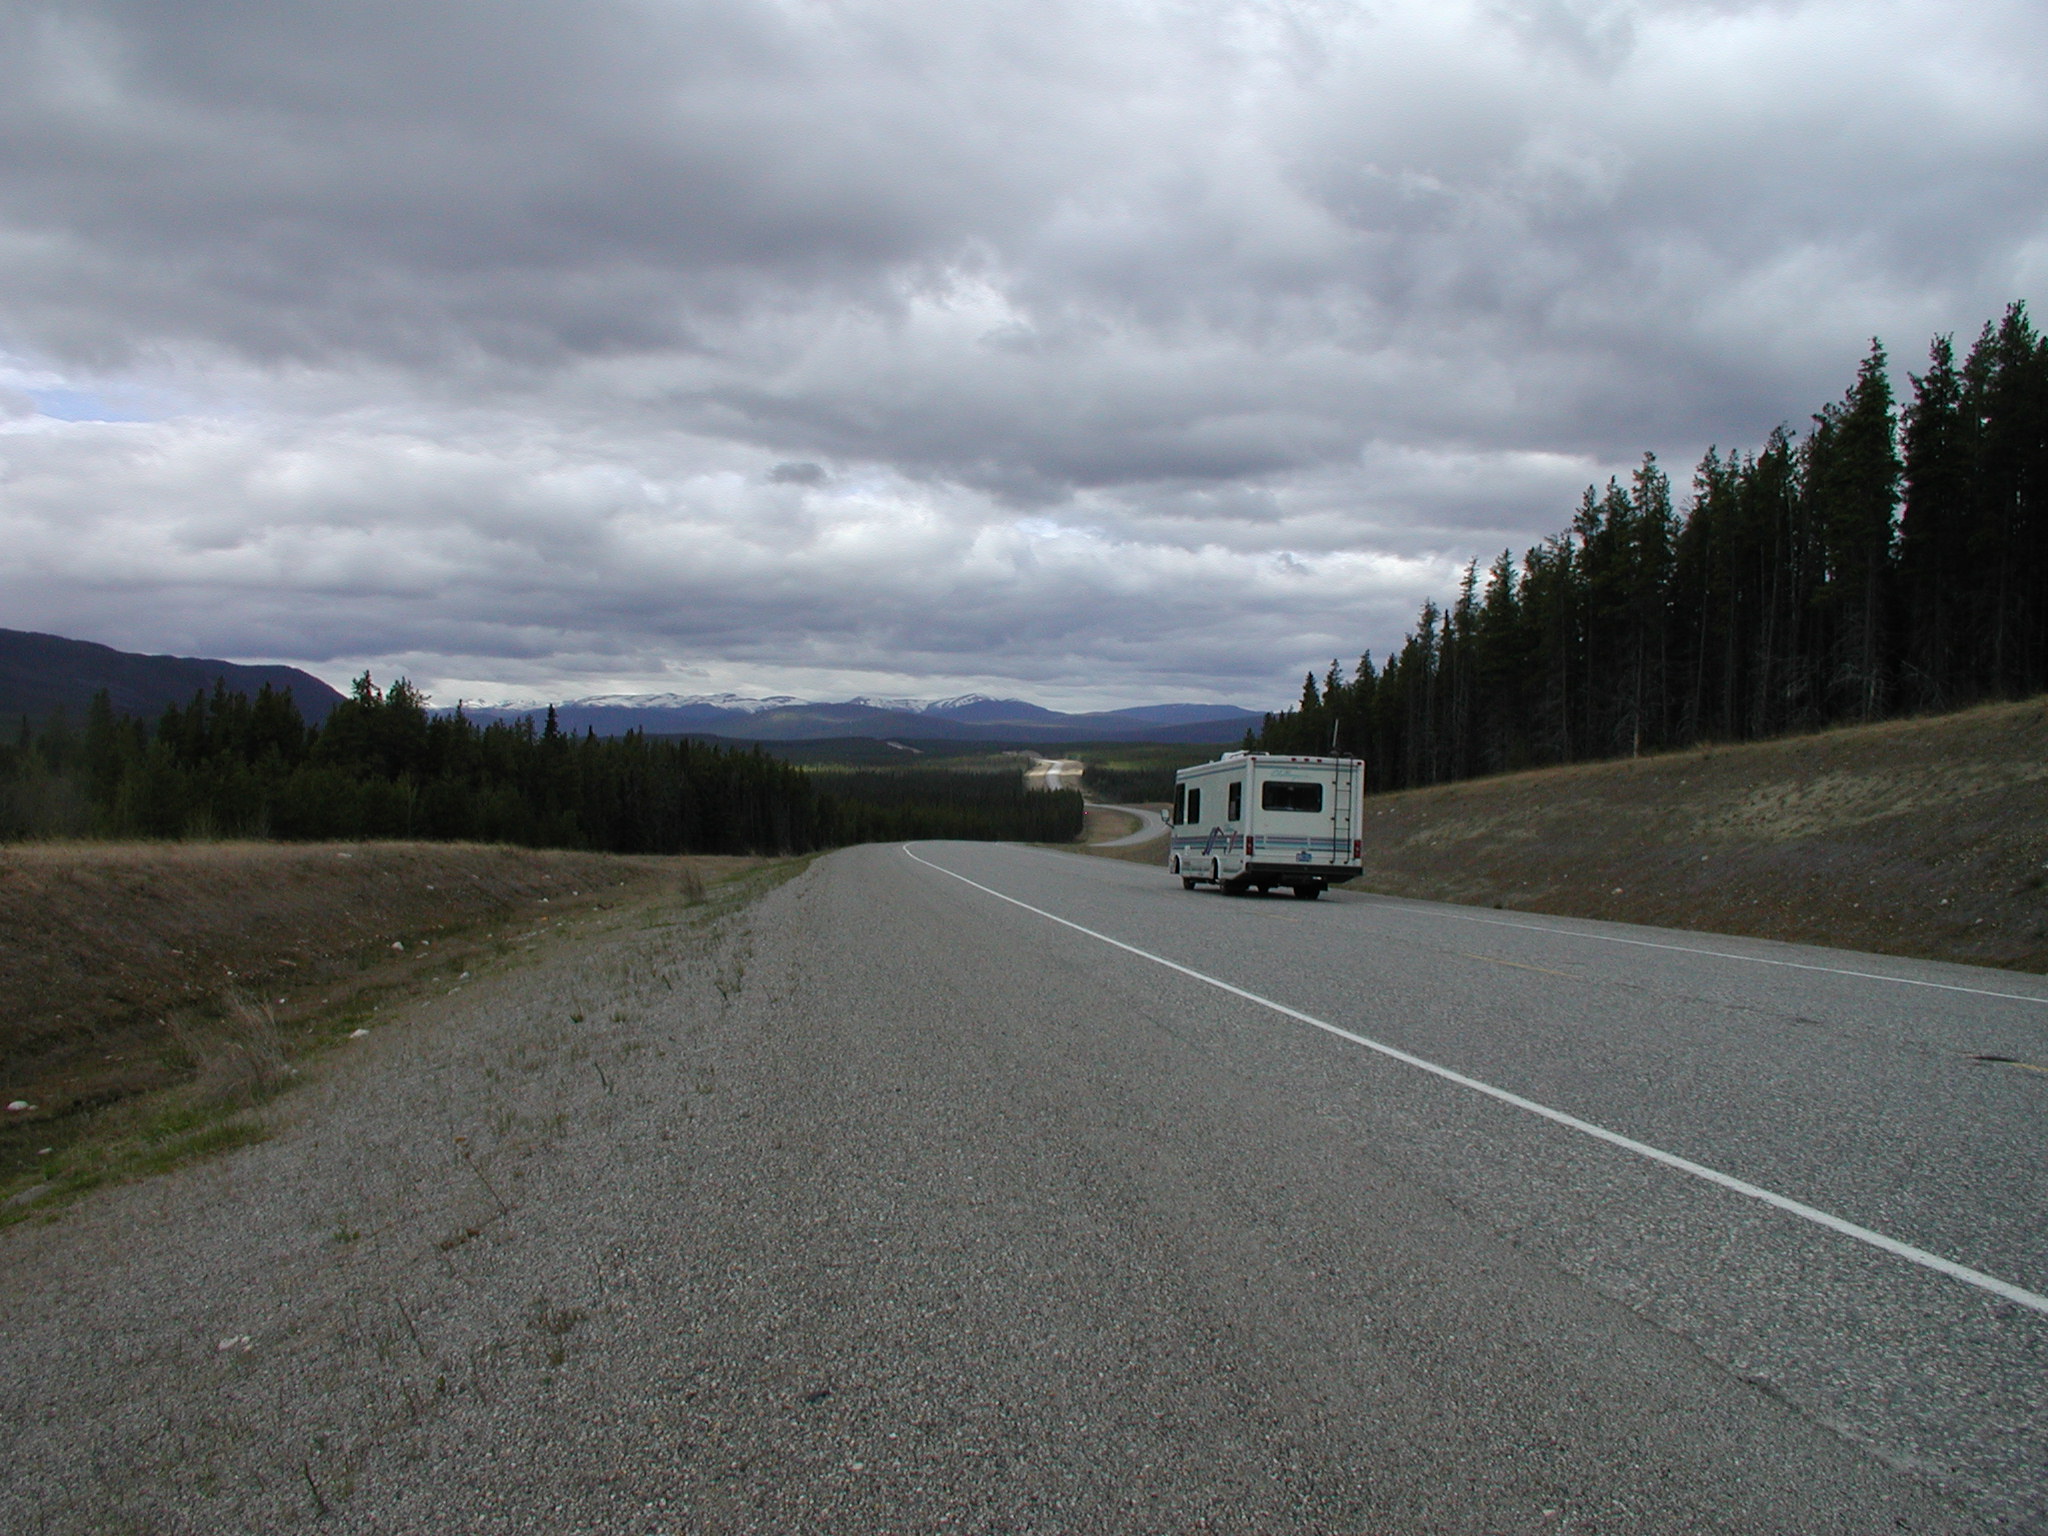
x: 1924, y: 837
x: 158, y: 994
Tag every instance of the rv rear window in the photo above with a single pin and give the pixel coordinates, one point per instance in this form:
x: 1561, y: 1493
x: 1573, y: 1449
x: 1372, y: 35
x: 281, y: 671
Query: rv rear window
x: 1279, y: 795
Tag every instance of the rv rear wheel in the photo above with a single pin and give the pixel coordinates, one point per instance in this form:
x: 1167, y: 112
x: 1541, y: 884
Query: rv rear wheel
x: 1187, y: 882
x: 1307, y: 892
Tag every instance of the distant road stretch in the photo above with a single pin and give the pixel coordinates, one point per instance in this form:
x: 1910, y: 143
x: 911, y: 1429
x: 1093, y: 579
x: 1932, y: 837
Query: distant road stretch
x: 1053, y: 773
x: 1151, y: 827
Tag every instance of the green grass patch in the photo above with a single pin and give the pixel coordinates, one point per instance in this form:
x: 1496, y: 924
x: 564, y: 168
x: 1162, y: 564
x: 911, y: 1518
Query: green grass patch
x: 129, y: 1141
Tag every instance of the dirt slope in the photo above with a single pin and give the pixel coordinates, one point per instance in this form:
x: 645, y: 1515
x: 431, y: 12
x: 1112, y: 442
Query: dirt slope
x: 1923, y: 837
x: 105, y: 947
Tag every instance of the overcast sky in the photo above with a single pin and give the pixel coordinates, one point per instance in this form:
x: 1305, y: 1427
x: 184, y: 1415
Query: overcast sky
x: 1095, y: 353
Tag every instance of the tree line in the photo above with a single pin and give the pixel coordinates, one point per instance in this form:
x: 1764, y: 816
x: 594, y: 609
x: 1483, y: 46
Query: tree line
x: 1886, y: 562
x: 382, y: 766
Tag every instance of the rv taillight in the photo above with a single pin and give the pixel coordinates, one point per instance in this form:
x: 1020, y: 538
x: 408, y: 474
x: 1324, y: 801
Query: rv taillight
x: 1358, y: 847
x: 1248, y: 846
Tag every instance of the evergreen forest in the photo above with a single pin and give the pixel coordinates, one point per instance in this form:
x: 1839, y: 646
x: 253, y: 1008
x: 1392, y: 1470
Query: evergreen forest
x: 382, y: 766
x: 1889, y: 561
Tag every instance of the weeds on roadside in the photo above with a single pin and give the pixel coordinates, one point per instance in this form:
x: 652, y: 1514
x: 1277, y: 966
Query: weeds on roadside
x: 238, y: 1056
x: 237, y: 1060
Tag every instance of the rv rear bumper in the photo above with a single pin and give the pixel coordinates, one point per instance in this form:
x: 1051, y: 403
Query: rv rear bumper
x: 1295, y: 874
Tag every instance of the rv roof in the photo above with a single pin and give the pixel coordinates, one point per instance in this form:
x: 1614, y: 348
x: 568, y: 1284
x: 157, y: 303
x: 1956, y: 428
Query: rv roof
x: 1276, y: 757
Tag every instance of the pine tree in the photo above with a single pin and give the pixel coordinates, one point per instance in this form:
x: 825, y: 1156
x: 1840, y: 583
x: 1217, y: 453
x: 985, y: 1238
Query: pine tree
x: 1934, y: 531
x: 2005, y: 392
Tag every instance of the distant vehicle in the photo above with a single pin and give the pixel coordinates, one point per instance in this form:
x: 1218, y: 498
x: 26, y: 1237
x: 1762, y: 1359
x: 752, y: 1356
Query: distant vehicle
x: 1259, y: 821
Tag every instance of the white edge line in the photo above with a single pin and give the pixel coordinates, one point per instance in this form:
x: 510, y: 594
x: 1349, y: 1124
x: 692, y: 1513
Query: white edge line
x: 1722, y: 954
x: 1820, y: 1218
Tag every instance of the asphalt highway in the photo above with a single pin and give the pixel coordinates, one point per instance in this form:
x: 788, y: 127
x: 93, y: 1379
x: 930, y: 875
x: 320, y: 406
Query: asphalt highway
x: 1903, y: 1099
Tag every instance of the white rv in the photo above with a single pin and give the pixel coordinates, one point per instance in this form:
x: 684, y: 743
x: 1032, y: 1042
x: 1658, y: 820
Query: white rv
x: 1257, y: 820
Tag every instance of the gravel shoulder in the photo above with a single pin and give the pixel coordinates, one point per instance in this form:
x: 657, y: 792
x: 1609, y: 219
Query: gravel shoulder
x: 376, y: 1309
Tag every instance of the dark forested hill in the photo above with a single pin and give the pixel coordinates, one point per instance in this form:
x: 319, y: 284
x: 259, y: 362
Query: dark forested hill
x: 42, y: 673
x: 380, y: 766
x: 969, y: 720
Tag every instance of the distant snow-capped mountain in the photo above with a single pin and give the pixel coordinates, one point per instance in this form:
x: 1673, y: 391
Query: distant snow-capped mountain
x: 742, y: 703
x: 904, y: 706
x: 745, y: 703
x: 952, y: 706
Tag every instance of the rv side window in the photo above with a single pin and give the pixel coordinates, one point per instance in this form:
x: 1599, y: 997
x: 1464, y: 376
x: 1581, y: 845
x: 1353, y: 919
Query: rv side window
x: 1236, y: 801
x: 1194, y: 805
x: 1180, y: 805
x: 1279, y: 795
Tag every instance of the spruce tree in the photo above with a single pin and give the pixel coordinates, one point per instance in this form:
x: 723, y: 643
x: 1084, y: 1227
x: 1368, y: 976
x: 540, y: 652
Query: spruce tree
x: 1934, y: 531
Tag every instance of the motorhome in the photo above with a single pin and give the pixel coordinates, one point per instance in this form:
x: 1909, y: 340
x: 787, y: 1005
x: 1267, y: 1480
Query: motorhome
x: 1260, y: 821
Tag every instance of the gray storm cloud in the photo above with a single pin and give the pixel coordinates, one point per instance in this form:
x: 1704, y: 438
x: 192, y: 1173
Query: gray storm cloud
x: 1096, y: 352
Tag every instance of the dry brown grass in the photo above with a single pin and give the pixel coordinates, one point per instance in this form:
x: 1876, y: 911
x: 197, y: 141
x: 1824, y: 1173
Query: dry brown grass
x: 237, y: 1057
x: 1924, y: 837
x: 130, y: 968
